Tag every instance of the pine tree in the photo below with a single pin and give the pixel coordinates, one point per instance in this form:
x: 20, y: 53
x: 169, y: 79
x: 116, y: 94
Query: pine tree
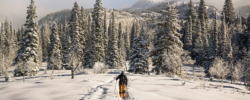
x: 105, y: 31
x: 132, y: 35
x: 45, y: 33
x: 75, y: 31
x: 203, y: 10
x: 83, y: 32
x: 188, y: 36
x: 167, y: 44
x: 228, y: 10
x: 19, y: 35
x: 139, y: 56
x: 183, y: 30
x: 89, y: 54
x: 191, y: 13
x: 248, y: 23
x: 214, y: 39
x: 27, y: 54
x: 127, y: 43
x: 223, y: 43
x: 113, y: 55
x: 65, y: 52
x: 65, y: 46
x: 7, y: 39
x: 198, y: 44
x: 54, y: 50
x: 239, y: 24
x: 98, y: 29
x: 121, y: 42
x: 2, y: 38
x: 206, y: 47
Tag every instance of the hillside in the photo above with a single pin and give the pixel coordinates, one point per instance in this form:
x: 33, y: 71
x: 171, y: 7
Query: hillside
x: 125, y: 18
x: 145, y: 4
x: 157, y: 7
x: 244, y: 10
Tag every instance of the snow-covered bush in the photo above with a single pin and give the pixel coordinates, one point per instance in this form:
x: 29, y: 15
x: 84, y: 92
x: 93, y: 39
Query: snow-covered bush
x: 186, y: 59
x: 219, y: 68
x: 100, y: 68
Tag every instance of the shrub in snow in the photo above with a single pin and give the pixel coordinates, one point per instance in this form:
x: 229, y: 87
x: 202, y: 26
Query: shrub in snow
x: 186, y: 59
x: 219, y: 68
x: 100, y: 68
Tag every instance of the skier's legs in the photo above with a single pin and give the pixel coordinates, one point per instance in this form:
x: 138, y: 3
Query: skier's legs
x: 120, y: 90
x: 123, y: 90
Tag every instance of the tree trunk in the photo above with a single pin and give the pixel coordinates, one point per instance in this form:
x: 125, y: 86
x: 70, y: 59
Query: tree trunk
x: 231, y: 80
x: 222, y: 80
x: 23, y: 78
x: 72, y: 73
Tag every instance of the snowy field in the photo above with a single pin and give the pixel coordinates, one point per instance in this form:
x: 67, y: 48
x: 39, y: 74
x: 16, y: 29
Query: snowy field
x: 102, y: 86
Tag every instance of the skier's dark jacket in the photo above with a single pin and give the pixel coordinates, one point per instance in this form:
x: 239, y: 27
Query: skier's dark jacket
x: 123, y: 79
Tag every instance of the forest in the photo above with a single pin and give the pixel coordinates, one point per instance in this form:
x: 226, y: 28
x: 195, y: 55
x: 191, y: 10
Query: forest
x: 159, y: 40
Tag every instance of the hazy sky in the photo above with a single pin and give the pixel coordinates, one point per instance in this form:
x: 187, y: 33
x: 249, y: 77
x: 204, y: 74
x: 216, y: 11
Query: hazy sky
x: 15, y: 10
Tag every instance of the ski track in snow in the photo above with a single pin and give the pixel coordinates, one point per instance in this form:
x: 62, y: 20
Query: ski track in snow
x: 104, y: 91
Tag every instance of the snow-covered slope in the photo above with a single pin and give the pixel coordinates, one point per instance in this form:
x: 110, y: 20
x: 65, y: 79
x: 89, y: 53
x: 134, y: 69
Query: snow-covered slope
x: 144, y: 4
x: 102, y: 87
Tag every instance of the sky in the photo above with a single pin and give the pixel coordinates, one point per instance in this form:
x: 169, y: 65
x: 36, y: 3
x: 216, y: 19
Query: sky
x: 15, y: 10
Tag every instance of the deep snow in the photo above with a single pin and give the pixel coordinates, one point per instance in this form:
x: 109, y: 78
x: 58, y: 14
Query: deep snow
x: 101, y: 87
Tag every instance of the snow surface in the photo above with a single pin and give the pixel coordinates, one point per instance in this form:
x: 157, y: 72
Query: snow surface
x: 102, y: 87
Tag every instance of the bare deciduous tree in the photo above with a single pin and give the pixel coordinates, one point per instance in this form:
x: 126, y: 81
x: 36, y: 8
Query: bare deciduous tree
x: 219, y: 69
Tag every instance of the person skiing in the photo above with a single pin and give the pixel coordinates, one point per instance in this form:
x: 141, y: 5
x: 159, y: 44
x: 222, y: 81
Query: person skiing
x: 123, y: 81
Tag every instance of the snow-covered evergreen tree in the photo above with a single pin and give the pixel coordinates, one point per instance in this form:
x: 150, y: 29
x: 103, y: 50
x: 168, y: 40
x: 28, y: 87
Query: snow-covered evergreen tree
x: 7, y: 38
x: 75, y: 32
x: 239, y: 24
x: 206, y: 51
x: 191, y: 13
x: 121, y: 42
x: 54, y: 50
x: 65, y: 46
x: 139, y: 55
x: 167, y: 44
x: 228, y: 10
x: 203, y: 10
x: 248, y: 23
x: 225, y: 48
x: 98, y: 29
x: 65, y: 52
x: 127, y: 43
x: 214, y: 39
x: 2, y: 38
x: 132, y: 35
x: 188, y: 36
x: 112, y: 58
x: 198, y: 44
x: 89, y: 54
x: 27, y: 54
x: 45, y: 33
x: 83, y: 32
x: 105, y: 31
